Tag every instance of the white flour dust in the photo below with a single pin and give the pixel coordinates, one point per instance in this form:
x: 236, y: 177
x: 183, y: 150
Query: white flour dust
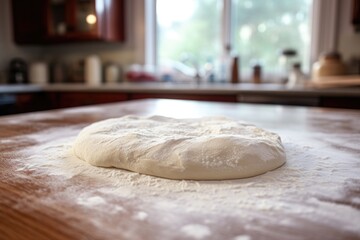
x: 140, y: 216
x: 311, y: 187
x: 196, y: 231
x: 91, y: 201
x: 242, y: 237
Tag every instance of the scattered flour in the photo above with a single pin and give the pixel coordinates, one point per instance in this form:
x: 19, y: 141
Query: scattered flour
x: 91, y: 201
x: 141, y: 216
x: 242, y: 237
x: 196, y: 231
x: 310, y: 187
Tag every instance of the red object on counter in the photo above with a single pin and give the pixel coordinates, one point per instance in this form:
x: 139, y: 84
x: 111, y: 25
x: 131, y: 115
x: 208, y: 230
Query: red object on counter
x: 136, y: 76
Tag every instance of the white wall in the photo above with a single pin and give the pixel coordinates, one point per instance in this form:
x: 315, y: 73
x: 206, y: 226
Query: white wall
x: 8, y: 49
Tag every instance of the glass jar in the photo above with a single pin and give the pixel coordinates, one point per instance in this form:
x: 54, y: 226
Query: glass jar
x: 296, y: 77
x: 287, y: 59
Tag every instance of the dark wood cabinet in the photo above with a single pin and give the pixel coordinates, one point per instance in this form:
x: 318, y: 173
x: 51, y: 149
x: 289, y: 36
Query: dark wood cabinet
x: 13, y: 103
x: 355, y: 18
x: 60, y: 21
x: 75, y: 99
x: 29, y: 21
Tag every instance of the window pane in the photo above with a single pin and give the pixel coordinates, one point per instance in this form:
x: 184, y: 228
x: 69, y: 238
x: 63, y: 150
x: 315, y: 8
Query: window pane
x: 262, y: 29
x: 189, y: 31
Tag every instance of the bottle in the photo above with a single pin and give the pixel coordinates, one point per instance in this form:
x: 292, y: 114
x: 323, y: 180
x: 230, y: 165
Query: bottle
x: 235, y: 70
x: 256, y: 77
x: 296, y: 77
x: 224, y: 71
x: 209, y: 71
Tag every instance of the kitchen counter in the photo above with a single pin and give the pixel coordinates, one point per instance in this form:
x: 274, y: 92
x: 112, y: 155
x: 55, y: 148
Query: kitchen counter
x: 204, y: 88
x: 20, y: 88
x: 47, y: 193
x: 52, y: 96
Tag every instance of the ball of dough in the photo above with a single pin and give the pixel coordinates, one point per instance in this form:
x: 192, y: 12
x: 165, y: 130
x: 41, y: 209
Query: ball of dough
x: 212, y: 148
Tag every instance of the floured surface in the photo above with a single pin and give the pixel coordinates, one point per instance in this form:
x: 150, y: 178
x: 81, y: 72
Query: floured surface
x: 307, y: 190
x: 315, y: 195
x: 211, y: 148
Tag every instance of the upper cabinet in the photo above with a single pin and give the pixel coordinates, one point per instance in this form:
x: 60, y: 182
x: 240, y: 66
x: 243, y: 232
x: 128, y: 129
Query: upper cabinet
x: 29, y: 21
x: 58, y: 21
x: 356, y: 15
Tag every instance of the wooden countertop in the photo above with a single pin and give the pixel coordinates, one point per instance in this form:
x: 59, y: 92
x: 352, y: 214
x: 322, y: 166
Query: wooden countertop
x: 203, y: 88
x: 46, y: 193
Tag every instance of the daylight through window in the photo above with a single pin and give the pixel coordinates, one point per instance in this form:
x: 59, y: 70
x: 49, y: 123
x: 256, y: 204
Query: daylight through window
x: 190, y: 34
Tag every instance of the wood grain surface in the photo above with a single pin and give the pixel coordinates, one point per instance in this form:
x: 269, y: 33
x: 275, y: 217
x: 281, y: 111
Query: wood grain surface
x: 39, y: 201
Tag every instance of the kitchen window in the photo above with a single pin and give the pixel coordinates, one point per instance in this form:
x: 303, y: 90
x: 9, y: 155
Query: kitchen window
x: 188, y: 33
x: 197, y: 35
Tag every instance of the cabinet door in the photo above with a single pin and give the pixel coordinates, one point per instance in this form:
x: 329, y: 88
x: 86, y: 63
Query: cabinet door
x: 29, y: 21
x: 356, y: 15
x: 114, y: 20
x: 74, y: 20
x: 85, y: 20
x: 59, y: 21
x: 75, y: 99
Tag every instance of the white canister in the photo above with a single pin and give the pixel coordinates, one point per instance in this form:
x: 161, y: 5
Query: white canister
x: 92, y: 70
x: 38, y: 73
x: 112, y: 73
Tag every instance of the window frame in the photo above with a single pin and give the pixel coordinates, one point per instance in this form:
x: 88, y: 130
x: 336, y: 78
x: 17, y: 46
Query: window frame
x: 323, y: 29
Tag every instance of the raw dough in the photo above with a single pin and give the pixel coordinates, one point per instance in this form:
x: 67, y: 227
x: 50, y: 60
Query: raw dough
x: 212, y: 148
